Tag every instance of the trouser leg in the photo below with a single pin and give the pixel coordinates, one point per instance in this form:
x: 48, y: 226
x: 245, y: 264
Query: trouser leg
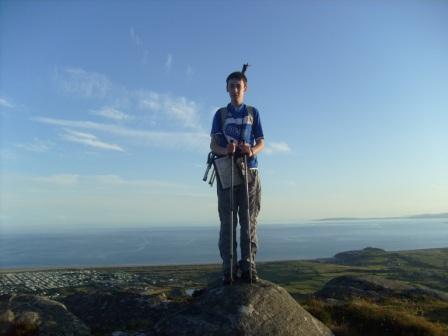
x: 224, y: 208
x: 249, y: 236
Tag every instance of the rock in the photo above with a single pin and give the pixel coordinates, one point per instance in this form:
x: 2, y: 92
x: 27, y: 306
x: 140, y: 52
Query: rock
x: 375, y: 288
x: 34, y: 315
x: 114, y: 310
x: 241, y: 309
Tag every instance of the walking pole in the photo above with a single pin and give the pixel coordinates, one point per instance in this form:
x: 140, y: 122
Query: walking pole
x: 246, y: 171
x: 231, y: 215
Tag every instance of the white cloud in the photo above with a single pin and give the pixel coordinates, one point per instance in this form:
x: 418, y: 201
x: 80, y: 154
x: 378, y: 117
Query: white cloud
x: 65, y: 180
x: 184, y: 140
x: 135, y: 37
x: 277, y: 147
x: 138, y: 42
x: 116, y: 180
x: 145, y: 57
x: 190, y: 71
x: 112, y: 113
x: 150, y: 100
x: 89, y: 140
x: 179, y: 109
x: 37, y: 146
x: 84, y: 83
x: 102, y: 183
x: 163, y: 108
x: 163, y: 111
x: 5, y: 103
x: 169, y: 62
x: 182, y: 110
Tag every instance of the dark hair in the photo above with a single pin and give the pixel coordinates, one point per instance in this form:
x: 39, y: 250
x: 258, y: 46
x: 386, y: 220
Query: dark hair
x: 239, y: 75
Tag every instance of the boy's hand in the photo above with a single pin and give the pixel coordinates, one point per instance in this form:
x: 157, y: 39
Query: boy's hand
x: 231, y: 148
x: 245, y: 149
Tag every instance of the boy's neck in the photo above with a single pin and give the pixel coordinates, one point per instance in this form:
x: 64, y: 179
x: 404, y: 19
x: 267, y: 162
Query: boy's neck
x: 236, y: 106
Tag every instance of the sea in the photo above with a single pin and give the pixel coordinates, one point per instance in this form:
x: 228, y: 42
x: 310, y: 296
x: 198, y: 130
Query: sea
x: 107, y: 247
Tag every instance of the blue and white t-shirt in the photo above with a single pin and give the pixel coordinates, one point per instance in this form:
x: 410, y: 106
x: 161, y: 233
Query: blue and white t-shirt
x: 238, y: 126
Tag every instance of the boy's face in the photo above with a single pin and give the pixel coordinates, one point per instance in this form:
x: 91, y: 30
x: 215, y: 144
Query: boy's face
x: 236, y: 89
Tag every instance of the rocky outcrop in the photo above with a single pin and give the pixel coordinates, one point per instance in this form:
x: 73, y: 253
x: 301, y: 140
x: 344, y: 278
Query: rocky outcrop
x: 35, y: 315
x: 375, y: 288
x: 241, y: 309
x: 114, y: 310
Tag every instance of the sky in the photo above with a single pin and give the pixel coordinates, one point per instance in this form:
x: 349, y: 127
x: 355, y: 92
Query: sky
x: 106, y: 108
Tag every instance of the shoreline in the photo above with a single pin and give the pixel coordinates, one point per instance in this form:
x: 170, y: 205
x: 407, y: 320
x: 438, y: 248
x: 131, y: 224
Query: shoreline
x: 178, y: 266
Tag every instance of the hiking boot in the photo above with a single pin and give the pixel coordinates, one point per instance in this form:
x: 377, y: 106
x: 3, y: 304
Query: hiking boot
x: 245, y: 277
x: 227, y: 280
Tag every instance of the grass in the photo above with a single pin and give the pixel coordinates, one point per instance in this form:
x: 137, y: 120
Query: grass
x: 393, y: 316
x: 361, y: 317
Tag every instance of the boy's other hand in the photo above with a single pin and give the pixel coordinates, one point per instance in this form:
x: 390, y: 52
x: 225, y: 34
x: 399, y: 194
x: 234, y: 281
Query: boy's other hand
x: 231, y: 148
x: 245, y: 149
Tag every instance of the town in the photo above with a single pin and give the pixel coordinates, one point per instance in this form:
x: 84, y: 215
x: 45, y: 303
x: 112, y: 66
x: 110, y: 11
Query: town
x: 46, y: 282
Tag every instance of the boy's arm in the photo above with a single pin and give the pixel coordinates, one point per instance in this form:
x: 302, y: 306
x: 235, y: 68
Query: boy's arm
x: 259, y: 146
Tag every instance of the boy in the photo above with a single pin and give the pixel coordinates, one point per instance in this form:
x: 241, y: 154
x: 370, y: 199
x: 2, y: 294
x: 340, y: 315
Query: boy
x: 237, y: 131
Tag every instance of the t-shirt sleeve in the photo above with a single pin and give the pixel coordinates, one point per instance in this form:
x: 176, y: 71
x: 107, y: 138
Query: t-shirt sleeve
x: 216, y: 124
x: 257, y: 128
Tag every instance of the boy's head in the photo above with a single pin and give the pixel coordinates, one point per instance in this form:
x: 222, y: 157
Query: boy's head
x: 237, y: 86
x: 238, y: 75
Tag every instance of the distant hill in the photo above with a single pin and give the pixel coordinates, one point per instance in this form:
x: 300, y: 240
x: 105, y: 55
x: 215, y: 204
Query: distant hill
x: 419, y: 216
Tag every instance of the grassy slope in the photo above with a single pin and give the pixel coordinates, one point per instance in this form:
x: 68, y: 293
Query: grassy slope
x: 363, y: 317
x: 425, y: 267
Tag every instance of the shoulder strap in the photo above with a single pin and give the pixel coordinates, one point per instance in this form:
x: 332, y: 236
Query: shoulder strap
x: 250, y: 111
x: 223, y: 113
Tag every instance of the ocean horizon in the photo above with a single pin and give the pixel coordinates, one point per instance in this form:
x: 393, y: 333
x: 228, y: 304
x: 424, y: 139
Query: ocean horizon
x: 151, y: 246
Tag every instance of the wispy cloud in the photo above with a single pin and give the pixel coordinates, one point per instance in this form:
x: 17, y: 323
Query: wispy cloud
x: 64, y: 180
x: 172, y: 115
x: 169, y: 62
x: 145, y: 57
x: 5, y: 103
x: 190, y: 71
x: 277, y: 147
x: 184, y: 140
x: 83, y: 83
x: 104, y: 182
x: 36, y: 146
x: 178, y: 109
x: 138, y: 43
x: 112, y: 113
x: 136, y: 39
x: 117, y: 180
x: 89, y: 140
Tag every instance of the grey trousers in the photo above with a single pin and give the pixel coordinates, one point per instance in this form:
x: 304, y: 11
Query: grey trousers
x: 240, y: 212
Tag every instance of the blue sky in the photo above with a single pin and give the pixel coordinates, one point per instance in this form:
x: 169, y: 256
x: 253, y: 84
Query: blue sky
x: 106, y: 108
